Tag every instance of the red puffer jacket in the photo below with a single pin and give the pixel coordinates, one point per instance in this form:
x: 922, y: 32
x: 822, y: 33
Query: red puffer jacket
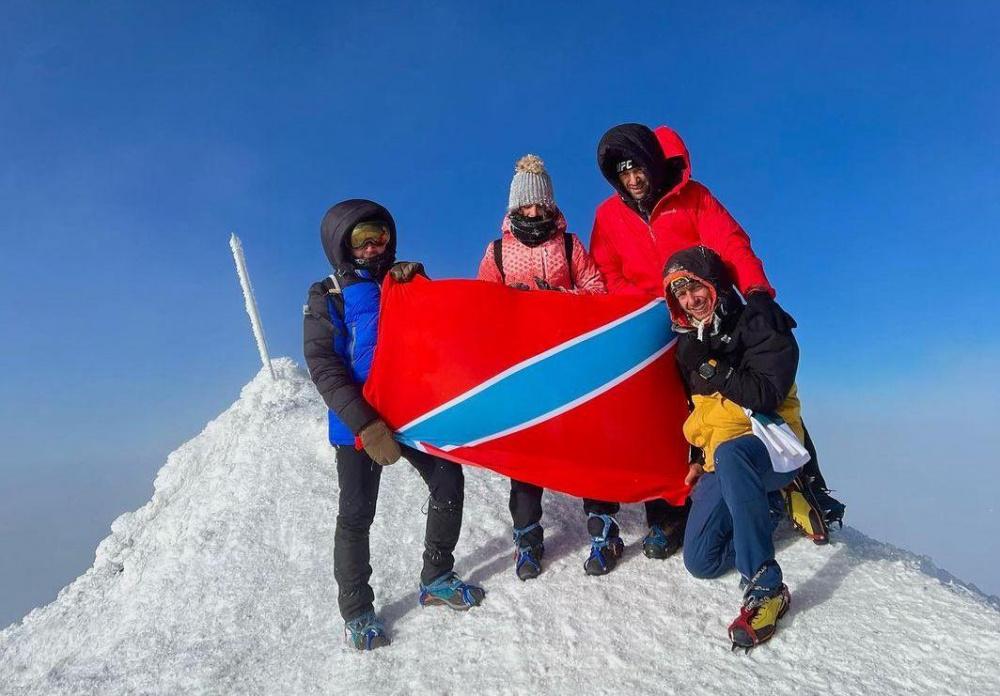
x: 522, y: 264
x: 631, y: 252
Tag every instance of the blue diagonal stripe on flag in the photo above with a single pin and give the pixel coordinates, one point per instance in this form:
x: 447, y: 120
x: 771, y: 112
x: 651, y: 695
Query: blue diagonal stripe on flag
x: 549, y: 384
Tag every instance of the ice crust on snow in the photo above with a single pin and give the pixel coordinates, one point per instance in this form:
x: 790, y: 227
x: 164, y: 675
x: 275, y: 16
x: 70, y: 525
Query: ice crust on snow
x: 223, y: 583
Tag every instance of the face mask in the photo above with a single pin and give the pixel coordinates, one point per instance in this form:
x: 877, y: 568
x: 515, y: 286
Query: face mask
x: 378, y: 266
x: 532, y: 231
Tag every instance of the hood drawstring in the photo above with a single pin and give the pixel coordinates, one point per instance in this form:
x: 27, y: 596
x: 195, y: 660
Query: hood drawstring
x: 716, y: 324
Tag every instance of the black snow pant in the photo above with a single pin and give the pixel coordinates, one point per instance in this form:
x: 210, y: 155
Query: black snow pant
x: 359, y: 481
x: 526, y: 510
x: 658, y: 512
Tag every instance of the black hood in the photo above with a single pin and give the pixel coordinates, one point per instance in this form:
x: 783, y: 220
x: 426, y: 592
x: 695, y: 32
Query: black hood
x: 708, y: 267
x: 638, y: 143
x: 341, y: 219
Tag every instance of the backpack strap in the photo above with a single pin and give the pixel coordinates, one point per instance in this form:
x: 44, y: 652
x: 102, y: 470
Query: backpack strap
x: 335, y: 287
x: 498, y: 258
x: 568, y: 244
x: 335, y: 300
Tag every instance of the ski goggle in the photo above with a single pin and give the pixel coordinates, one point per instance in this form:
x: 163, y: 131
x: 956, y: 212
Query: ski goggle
x: 365, y: 233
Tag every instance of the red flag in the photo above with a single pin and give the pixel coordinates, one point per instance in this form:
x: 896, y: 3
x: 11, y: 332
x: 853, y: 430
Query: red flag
x: 576, y: 393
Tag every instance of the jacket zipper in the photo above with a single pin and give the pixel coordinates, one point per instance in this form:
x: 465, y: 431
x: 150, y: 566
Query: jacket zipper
x: 352, y: 330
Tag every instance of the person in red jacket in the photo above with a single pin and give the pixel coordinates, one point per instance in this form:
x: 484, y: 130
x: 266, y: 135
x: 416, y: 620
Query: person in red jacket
x: 658, y: 209
x: 535, y: 252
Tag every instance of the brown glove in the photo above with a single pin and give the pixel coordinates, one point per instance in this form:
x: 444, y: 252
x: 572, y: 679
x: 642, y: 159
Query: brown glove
x: 404, y: 271
x: 377, y: 440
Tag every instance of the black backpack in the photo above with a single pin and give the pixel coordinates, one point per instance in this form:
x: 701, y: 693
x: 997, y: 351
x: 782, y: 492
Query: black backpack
x: 567, y: 246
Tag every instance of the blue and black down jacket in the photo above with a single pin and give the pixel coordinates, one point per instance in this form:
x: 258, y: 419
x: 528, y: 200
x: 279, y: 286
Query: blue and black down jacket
x: 340, y: 332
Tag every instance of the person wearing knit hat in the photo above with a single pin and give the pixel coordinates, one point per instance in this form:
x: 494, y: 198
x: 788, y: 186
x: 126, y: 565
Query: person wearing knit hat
x: 535, y: 252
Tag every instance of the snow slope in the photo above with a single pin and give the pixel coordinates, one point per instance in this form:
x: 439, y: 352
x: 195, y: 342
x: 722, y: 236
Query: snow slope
x: 223, y: 583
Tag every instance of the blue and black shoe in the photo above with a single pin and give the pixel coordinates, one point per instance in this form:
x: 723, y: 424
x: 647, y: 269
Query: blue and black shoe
x: 528, y: 555
x: 452, y: 592
x: 528, y: 561
x: 605, y: 549
x: 662, y: 542
x: 366, y: 632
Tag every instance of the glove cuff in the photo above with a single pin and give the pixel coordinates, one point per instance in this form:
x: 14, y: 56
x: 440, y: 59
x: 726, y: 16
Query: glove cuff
x: 759, y: 290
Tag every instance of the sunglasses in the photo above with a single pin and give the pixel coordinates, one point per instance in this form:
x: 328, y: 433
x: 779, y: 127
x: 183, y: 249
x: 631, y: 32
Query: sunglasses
x: 373, y: 233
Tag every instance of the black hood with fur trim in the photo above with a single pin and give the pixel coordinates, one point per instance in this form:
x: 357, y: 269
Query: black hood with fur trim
x: 338, y: 223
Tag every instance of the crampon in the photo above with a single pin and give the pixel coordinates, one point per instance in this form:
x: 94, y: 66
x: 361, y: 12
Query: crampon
x: 758, y: 620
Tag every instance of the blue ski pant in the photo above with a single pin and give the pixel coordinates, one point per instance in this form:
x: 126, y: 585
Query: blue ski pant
x: 730, y: 523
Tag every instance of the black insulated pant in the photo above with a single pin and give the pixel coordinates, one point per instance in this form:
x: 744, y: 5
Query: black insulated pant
x: 359, y: 480
x: 526, y: 509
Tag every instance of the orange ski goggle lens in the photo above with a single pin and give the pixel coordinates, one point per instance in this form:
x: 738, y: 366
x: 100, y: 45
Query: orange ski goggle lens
x: 365, y: 233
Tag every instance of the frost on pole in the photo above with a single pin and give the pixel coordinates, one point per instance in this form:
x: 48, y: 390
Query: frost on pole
x: 251, y: 303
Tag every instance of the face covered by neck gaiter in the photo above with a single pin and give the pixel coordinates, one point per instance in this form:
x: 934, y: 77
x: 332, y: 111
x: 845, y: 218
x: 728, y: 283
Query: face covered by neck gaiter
x: 532, y: 231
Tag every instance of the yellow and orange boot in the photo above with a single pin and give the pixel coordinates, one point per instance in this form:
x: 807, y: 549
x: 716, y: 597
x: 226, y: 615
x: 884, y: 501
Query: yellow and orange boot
x: 805, y: 512
x: 758, y: 619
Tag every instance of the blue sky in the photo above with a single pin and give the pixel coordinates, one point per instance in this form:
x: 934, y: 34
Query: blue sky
x: 856, y: 143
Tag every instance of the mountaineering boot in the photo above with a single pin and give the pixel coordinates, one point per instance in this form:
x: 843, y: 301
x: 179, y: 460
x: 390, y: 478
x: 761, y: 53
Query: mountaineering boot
x: 758, y: 620
x: 833, y: 509
x: 663, y: 541
x: 366, y: 632
x: 528, y: 552
x: 805, y: 512
x: 759, y: 614
x: 605, y: 548
x: 450, y: 591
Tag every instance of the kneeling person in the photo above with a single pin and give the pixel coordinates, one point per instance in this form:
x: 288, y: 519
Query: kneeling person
x: 732, y: 361
x: 340, y: 330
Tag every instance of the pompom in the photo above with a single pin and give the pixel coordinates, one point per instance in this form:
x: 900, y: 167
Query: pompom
x: 531, y: 164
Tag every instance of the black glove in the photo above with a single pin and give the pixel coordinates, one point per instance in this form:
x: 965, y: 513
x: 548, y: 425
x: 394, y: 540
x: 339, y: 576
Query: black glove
x: 700, y: 385
x: 691, y: 352
x: 519, y: 286
x: 761, y: 304
x: 543, y: 284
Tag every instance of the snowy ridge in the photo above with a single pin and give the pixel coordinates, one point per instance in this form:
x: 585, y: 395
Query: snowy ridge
x: 223, y: 583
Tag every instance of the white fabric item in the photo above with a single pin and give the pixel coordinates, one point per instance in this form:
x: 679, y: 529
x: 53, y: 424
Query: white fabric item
x: 783, y: 446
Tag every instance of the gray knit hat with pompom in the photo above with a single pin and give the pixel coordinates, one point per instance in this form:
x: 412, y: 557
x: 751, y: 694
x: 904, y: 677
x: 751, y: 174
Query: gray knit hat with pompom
x: 531, y: 184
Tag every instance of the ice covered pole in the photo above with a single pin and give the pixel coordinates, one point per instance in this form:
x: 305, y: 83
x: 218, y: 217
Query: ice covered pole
x: 251, y: 303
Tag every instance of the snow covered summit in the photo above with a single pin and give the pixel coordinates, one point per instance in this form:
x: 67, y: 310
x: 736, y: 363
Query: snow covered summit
x: 223, y: 583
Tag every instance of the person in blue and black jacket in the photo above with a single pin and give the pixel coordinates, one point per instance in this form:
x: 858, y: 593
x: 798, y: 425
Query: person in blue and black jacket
x: 339, y: 335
